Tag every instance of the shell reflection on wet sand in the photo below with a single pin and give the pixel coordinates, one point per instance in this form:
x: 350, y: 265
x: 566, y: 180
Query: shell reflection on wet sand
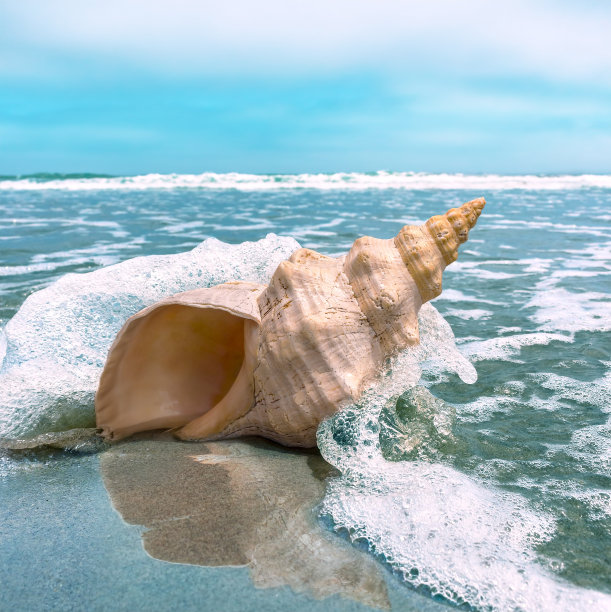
x: 239, y: 503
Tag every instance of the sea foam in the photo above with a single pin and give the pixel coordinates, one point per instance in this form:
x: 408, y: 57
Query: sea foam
x: 560, y: 309
x: 55, y: 347
x: 440, y: 530
x: 340, y: 180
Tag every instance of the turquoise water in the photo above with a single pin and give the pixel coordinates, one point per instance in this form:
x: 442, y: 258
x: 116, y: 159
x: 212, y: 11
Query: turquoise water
x: 505, y: 502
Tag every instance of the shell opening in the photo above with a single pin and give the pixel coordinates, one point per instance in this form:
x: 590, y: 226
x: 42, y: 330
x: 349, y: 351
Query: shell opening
x: 174, y: 366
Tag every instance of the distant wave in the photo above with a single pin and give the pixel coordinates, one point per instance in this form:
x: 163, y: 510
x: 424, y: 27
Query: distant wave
x: 265, y: 182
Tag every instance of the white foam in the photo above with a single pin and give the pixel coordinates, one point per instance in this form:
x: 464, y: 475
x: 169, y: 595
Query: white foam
x: 561, y: 310
x: 454, y: 295
x: 439, y: 529
x: 589, y: 445
x: 436, y: 527
x: 599, y: 252
x: 506, y: 348
x: 474, y: 314
x: 549, y: 226
x: 2, y: 345
x: 533, y: 265
x: 346, y: 180
x: 474, y: 267
x: 596, y: 392
x: 57, y: 342
x: 28, y: 269
x: 484, y: 407
x: 561, y: 274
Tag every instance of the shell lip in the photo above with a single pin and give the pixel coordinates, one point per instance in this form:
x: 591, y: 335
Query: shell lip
x: 237, y: 299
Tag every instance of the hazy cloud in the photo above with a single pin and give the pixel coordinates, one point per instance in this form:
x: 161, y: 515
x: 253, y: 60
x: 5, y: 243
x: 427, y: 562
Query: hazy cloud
x: 559, y: 40
x: 126, y: 86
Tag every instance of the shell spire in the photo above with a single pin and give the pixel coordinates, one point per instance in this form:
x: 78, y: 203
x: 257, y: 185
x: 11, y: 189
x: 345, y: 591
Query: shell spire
x: 427, y: 249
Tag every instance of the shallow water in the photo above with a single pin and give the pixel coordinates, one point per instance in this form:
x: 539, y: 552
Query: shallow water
x: 529, y: 300
x: 64, y: 547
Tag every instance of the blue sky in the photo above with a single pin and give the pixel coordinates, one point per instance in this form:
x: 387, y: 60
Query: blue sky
x: 126, y: 87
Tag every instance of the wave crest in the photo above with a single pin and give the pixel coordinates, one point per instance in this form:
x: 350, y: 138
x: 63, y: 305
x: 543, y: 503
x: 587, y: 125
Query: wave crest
x: 335, y: 181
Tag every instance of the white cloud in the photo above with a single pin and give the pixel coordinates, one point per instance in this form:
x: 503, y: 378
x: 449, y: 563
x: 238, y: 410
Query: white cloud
x: 557, y: 40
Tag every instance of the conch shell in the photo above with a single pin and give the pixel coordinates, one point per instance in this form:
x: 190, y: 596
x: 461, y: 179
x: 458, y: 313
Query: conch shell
x: 244, y: 359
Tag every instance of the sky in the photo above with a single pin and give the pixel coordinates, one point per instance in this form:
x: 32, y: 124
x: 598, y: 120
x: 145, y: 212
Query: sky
x: 131, y: 87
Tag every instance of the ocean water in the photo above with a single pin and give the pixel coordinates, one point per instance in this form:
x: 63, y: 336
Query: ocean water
x: 479, y: 470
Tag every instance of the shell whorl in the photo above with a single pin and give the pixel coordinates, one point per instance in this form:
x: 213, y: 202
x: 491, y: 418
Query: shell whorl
x: 445, y: 232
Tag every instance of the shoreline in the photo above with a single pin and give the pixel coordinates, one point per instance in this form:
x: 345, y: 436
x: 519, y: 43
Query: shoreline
x: 66, y: 546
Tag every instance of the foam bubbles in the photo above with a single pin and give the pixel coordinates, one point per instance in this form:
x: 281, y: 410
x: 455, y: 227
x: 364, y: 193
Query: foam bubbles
x: 559, y: 309
x: 442, y: 531
x: 507, y: 348
x: 439, y: 529
x: 339, y: 180
x: 56, y: 344
x: 473, y: 314
x: 590, y: 446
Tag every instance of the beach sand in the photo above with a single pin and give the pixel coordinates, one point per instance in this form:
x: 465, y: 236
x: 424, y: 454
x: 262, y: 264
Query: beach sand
x: 239, y: 503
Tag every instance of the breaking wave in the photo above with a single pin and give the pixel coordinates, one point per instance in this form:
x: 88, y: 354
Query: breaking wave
x: 341, y: 180
x: 444, y: 532
x: 55, y: 347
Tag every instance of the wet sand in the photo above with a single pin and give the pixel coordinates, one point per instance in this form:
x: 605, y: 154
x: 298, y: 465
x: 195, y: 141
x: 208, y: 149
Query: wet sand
x: 239, y: 503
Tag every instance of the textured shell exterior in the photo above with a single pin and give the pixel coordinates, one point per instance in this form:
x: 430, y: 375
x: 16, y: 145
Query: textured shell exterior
x: 316, y: 351
x: 328, y: 325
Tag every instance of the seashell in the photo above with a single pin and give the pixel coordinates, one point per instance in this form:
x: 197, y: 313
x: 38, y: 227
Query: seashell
x: 243, y: 359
